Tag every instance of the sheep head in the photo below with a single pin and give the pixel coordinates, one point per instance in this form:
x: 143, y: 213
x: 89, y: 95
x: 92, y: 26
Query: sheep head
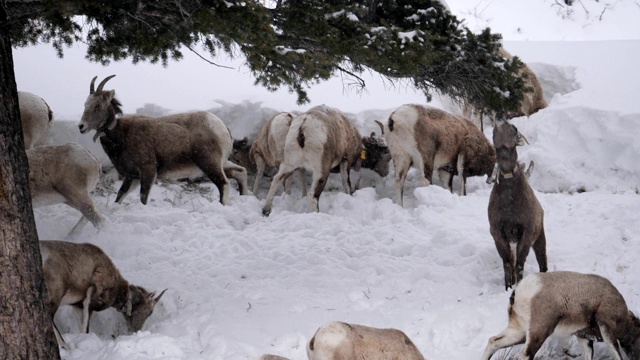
x: 505, y: 139
x: 376, y: 154
x: 139, y: 306
x: 100, y: 109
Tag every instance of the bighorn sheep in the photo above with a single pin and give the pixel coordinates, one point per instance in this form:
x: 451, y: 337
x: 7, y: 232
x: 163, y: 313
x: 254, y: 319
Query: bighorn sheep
x: 65, y: 174
x: 532, y: 102
x: 566, y: 303
x: 272, y: 357
x: 267, y: 150
x: 321, y: 139
x: 82, y: 275
x: 169, y: 147
x: 338, y: 341
x: 36, y: 118
x: 432, y: 139
x: 516, y: 219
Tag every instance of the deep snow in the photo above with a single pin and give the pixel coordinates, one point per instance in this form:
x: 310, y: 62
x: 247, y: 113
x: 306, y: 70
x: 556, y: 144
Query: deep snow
x: 241, y: 285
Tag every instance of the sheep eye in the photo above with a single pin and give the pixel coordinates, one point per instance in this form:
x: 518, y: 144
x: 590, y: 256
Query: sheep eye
x: 96, y: 108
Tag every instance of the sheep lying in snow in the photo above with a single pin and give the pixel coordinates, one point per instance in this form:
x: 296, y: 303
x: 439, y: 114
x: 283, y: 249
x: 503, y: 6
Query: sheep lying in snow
x: 431, y: 139
x: 65, y: 174
x: 36, y: 116
x: 342, y: 341
x: 321, y: 139
x: 566, y: 303
x: 82, y: 275
x: 267, y: 150
x: 169, y: 147
x: 532, y: 102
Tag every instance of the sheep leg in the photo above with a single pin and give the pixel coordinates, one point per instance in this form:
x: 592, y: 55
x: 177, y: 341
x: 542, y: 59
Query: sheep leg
x: 303, y: 181
x: 605, y: 324
x: 260, y: 167
x: 124, y: 189
x: 540, y: 249
x: 522, y: 251
x: 508, y: 337
x: 463, y: 178
x: 59, y: 338
x: 446, y: 178
x: 147, y: 178
x: 538, y: 332
x: 283, y: 172
x: 401, y: 166
x: 587, y: 348
x: 317, y: 185
x: 344, y: 173
x: 81, y: 201
x: 86, y: 311
x: 506, y: 254
x: 238, y: 173
x: 216, y: 174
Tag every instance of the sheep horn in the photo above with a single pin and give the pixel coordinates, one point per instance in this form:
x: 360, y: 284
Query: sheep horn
x: 159, y: 296
x: 381, y: 126
x: 104, y: 82
x: 91, y: 88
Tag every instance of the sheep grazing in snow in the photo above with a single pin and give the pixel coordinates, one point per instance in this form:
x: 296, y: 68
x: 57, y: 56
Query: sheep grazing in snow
x: 532, y: 102
x: 82, y: 275
x: 341, y: 341
x: 516, y: 219
x: 321, y: 139
x: 36, y: 118
x: 566, y: 303
x: 65, y: 174
x: 432, y: 139
x: 169, y: 147
x: 267, y: 150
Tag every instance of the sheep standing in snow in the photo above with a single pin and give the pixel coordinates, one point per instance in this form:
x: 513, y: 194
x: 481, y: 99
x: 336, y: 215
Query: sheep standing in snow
x: 169, y: 147
x: 267, y: 150
x: 65, y: 174
x: 36, y: 116
x: 341, y: 341
x: 516, y: 219
x: 321, y: 139
x: 566, y: 303
x: 432, y: 139
x: 82, y: 275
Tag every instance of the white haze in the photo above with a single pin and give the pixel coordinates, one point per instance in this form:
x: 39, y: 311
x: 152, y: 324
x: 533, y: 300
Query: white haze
x: 240, y: 285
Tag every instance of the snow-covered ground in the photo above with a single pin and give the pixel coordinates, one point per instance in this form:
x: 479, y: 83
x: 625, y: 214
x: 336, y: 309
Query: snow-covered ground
x: 240, y: 285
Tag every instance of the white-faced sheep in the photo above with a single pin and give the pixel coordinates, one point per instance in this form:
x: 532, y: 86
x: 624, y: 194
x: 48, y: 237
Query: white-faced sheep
x: 342, y: 341
x: 516, y: 218
x: 36, y: 118
x: 432, y: 139
x: 566, y: 303
x: 65, y: 174
x: 82, y: 275
x: 532, y: 102
x: 169, y: 147
x: 321, y: 139
x: 267, y: 150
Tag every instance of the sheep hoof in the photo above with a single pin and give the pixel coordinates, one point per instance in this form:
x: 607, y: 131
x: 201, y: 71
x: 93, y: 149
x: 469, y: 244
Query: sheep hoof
x: 266, y: 212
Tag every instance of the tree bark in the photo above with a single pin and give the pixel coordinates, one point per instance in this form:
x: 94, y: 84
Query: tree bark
x: 26, y: 327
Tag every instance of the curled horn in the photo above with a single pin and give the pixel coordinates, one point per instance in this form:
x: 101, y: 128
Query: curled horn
x: 381, y: 126
x: 521, y: 140
x: 91, y: 88
x: 159, y: 296
x: 104, y: 82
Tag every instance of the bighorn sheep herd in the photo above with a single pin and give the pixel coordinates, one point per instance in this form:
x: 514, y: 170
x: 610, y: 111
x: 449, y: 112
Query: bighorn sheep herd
x: 318, y: 141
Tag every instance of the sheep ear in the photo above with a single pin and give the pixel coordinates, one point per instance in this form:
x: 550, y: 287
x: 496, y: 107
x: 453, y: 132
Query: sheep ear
x: 373, y: 134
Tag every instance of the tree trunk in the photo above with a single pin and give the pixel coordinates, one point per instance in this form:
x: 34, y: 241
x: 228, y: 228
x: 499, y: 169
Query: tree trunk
x: 26, y: 329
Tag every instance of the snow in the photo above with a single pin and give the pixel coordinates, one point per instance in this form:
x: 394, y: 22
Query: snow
x: 240, y: 285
